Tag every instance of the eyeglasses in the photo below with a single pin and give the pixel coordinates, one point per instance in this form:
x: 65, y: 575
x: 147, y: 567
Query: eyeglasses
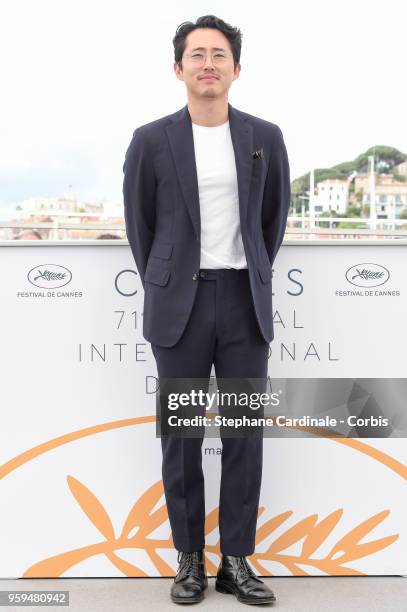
x: 219, y: 58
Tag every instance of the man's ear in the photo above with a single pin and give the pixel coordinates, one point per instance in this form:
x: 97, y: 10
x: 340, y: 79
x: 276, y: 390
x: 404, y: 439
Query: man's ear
x: 178, y: 71
x: 237, y: 72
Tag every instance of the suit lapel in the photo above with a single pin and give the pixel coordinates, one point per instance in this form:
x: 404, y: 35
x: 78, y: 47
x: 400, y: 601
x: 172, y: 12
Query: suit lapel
x: 242, y: 138
x: 181, y: 141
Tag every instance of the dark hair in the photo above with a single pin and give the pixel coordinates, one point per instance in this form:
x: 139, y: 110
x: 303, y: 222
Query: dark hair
x: 107, y: 237
x: 233, y: 35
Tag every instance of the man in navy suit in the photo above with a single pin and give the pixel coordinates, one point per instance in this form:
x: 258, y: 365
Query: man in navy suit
x: 206, y: 194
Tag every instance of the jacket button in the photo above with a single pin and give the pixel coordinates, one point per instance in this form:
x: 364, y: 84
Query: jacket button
x: 195, y: 277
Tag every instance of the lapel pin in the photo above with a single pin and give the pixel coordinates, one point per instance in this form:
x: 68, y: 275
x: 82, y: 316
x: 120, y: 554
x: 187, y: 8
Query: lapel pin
x: 258, y: 153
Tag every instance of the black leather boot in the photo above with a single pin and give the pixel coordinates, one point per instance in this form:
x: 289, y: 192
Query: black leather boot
x: 191, y: 579
x: 237, y: 577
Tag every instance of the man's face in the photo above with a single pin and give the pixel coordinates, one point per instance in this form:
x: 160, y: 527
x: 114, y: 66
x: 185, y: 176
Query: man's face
x: 207, y: 42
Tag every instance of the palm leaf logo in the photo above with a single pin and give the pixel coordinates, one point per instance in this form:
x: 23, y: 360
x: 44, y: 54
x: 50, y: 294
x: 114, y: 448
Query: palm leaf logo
x: 49, y: 276
x: 145, y: 517
x: 366, y: 274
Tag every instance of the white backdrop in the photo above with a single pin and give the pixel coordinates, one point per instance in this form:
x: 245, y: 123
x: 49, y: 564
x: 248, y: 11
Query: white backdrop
x: 80, y: 488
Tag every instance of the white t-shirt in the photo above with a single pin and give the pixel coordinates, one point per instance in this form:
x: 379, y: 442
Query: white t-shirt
x: 221, y: 238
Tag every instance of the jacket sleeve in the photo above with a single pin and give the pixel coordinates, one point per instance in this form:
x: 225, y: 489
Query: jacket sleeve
x: 139, y: 189
x: 277, y: 197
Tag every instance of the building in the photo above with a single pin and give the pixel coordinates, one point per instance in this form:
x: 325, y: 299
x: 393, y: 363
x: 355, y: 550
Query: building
x: 48, y: 214
x: 332, y: 195
x: 67, y: 204
x: 390, y: 194
x: 401, y: 169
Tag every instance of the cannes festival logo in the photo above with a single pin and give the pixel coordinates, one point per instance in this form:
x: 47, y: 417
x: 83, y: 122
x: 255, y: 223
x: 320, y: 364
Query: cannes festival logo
x: 49, y: 276
x: 367, y: 275
x: 328, y: 543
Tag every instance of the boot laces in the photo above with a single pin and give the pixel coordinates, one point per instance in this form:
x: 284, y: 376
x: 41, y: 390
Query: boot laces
x: 245, y: 569
x: 189, y: 561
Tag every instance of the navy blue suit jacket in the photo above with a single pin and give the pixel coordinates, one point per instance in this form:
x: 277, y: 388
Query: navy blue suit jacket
x: 162, y: 215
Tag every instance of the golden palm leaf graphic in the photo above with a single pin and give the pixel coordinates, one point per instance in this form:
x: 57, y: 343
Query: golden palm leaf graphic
x: 143, y: 520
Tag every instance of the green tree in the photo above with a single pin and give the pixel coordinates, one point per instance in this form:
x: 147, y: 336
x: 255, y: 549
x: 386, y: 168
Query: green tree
x: 353, y: 211
x: 352, y: 225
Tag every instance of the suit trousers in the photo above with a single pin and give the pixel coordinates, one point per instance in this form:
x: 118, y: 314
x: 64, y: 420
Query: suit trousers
x: 222, y: 330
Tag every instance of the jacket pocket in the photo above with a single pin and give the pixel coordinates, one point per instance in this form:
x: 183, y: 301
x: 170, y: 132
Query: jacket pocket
x: 161, y: 250
x: 157, y: 276
x: 265, y: 273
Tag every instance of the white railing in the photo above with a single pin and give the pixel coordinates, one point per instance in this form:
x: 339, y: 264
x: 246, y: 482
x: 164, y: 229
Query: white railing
x: 297, y: 225
x: 333, y: 221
